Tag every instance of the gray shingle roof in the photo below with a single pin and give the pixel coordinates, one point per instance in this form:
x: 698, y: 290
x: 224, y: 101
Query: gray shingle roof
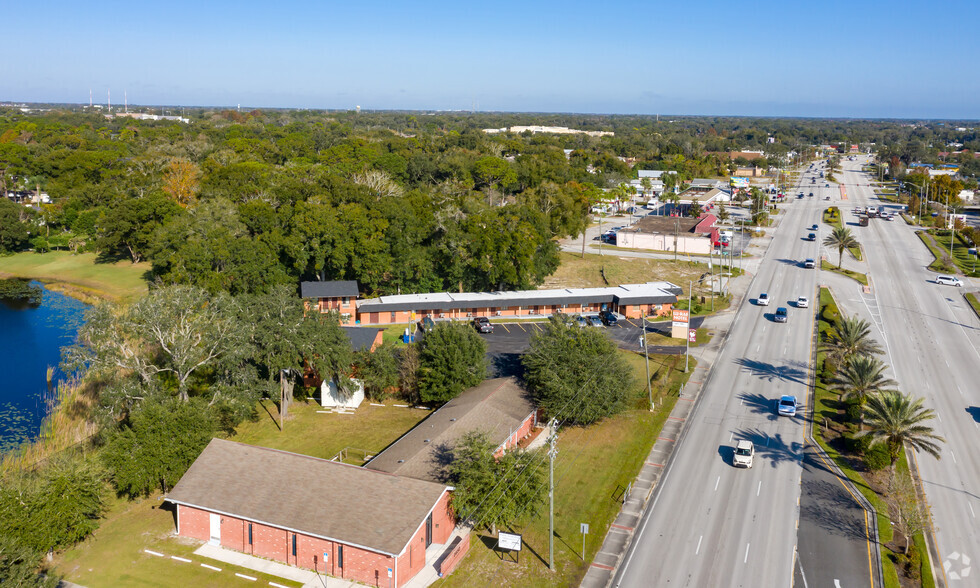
x: 361, y: 337
x: 327, y: 499
x: 496, y: 406
x: 335, y: 289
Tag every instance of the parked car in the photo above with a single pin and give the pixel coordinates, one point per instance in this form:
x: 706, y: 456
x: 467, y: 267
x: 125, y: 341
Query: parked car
x: 802, y: 302
x: 482, y: 324
x: 608, y: 318
x: 782, y: 315
x: 427, y: 324
x: 809, y: 263
x: 811, y: 194
x: 826, y: 185
x: 763, y: 299
x: 744, y: 452
x: 594, y: 321
x: 786, y: 406
x: 581, y: 321
x: 949, y: 281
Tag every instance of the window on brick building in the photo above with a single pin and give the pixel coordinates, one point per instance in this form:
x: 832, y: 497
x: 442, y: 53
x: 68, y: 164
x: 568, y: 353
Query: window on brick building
x: 294, y: 545
x: 340, y: 556
x: 250, y: 533
x: 393, y: 317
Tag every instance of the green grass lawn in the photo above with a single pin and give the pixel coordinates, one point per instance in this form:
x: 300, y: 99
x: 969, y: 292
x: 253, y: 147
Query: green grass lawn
x: 371, y: 428
x: 658, y: 339
x: 974, y: 302
x: 961, y: 253
x: 576, y: 272
x: 594, y: 466
x: 79, y: 275
x: 113, y: 556
x: 826, y: 265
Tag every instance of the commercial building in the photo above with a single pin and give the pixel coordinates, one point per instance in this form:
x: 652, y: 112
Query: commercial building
x: 498, y: 407
x: 345, y: 521
x: 661, y: 233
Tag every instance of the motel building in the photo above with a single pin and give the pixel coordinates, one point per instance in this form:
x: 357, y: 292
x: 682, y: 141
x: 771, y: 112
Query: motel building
x: 629, y: 300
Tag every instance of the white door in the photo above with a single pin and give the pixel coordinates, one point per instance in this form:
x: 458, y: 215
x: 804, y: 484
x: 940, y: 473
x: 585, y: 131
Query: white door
x: 215, y: 529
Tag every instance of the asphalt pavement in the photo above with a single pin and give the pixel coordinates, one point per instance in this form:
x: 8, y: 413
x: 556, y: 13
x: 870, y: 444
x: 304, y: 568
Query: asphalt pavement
x: 932, y: 341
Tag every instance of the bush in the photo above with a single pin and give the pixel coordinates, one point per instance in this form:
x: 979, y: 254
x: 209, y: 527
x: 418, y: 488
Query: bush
x: 858, y: 445
x: 876, y: 458
x: 854, y: 412
x: 452, y: 358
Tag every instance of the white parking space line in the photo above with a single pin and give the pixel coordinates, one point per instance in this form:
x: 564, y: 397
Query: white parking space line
x: 698, y: 550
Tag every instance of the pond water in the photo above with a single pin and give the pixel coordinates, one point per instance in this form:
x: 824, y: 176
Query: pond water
x: 31, y: 338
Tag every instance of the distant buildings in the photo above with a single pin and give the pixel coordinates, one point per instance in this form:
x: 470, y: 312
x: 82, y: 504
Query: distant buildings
x: 664, y: 233
x: 555, y: 130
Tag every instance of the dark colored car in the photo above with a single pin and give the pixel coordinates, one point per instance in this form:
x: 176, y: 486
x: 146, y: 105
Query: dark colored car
x: 811, y: 237
x: 609, y: 319
x: 482, y: 324
x: 781, y: 316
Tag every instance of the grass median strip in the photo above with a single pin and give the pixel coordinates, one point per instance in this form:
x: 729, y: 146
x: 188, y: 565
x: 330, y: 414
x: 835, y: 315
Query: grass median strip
x: 862, y: 278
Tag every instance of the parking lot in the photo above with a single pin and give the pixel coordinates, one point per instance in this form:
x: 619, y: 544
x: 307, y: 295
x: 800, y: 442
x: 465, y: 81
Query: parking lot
x: 511, y: 340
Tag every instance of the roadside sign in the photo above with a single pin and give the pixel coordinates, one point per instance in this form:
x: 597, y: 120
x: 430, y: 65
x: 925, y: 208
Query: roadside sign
x: 679, y: 322
x: 692, y: 335
x: 389, y: 572
x: 584, y: 528
x: 509, y: 541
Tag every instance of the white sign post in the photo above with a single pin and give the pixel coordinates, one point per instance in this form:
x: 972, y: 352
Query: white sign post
x: 584, y: 527
x: 509, y: 542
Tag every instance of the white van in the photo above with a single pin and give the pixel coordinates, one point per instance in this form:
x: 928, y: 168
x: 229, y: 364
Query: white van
x: 949, y: 281
x: 872, y: 211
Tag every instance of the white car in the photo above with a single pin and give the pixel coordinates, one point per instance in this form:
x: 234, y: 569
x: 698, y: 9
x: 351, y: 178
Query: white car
x: 744, y: 451
x: 763, y: 299
x: 786, y: 406
x: 802, y: 302
x: 949, y: 281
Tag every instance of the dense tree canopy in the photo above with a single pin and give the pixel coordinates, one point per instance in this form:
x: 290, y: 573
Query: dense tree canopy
x: 452, y: 358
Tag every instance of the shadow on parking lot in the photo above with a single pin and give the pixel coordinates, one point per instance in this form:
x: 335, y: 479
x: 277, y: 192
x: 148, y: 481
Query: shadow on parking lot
x: 770, y: 372
x: 503, y: 365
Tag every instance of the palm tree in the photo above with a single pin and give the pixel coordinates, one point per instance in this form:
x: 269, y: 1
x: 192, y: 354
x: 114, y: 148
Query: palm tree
x: 897, y: 419
x: 850, y: 338
x: 862, y: 377
x: 842, y: 239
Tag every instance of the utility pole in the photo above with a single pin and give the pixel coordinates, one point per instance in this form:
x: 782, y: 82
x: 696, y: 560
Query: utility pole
x: 687, y: 352
x: 646, y: 357
x: 552, y: 452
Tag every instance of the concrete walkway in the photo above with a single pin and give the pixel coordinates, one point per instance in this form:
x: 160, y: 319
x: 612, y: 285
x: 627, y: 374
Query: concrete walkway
x: 306, y: 577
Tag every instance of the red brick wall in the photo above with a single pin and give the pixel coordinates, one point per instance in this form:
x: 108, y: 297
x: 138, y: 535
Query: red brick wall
x: 412, y: 560
x: 452, y: 559
x: 360, y: 565
x: 443, y: 520
x: 194, y: 523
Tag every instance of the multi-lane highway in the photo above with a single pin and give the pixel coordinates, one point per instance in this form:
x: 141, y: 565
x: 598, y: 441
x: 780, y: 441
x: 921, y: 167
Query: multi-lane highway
x: 933, y: 346
x: 709, y: 523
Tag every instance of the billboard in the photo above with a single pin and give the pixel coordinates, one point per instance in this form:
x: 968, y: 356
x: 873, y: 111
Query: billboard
x: 679, y: 319
x: 739, y: 182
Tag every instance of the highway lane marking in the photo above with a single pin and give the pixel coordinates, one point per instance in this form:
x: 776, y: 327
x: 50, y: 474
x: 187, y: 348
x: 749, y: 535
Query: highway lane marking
x: 698, y: 550
x: 731, y: 437
x: 719, y: 480
x: 953, y: 455
x: 746, y: 559
x: 971, y: 510
x: 759, y: 489
x: 837, y: 583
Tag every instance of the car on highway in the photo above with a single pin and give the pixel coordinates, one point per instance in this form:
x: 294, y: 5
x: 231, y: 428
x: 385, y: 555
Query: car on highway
x: 782, y: 315
x: 949, y: 281
x: 763, y: 299
x: 826, y: 185
x: 811, y: 194
x: 594, y: 321
x: 482, y: 324
x: 786, y: 406
x: 811, y: 237
x: 809, y: 263
x: 814, y: 227
x: 608, y: 318
x: 802, y: 302
x: 744, y: 452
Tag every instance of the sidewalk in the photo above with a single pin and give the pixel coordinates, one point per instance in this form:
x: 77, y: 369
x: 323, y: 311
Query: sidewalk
x: 617, y: 541
x: 306, y: 577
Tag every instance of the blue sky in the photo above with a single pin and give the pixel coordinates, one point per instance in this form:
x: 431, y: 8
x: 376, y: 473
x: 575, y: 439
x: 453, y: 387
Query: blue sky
x: 832, y: 58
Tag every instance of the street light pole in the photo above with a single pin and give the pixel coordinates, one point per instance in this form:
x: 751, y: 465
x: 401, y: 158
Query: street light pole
x: 687, y: 352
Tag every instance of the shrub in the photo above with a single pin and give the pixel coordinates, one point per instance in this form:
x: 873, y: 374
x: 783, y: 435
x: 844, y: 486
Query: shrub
x: 876, y: 458
x: 854, y: 412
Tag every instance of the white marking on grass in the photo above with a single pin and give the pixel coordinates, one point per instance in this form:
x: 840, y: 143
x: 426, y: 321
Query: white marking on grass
x: 203, y: 565
x: 154, y: 553
x: 183, y: 559
x: 246, y: 577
